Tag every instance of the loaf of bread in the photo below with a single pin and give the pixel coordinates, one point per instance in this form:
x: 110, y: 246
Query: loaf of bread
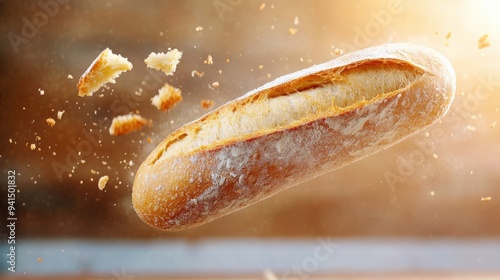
x: 104, y: 69
x: 290, y: 130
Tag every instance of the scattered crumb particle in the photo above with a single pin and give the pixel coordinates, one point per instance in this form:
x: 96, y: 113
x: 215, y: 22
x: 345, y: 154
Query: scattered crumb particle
x: 483, y: 41
x: 39, y: 259
x: 102, y: 182
x: 167, y: 97
x: 60, y: 114
x: 38, y: 138
x: 206, y: 103
x: 51, y: 121
x: 338, y: 51
x: 166, y: 62
x: 92, y: 171
x: 209, y: 60
x: 296, y: 21
x: 70, y: 77
x: 33, y: 146
x: 493, y: 124
x: 130, y: 163
x: 198, y: 28
x: 434, y: 155
x: 471, y: 128
x: 10, y: 140
x: 197, y: 73
x: 448, y: 36
x: 432, y: 193
x: 261, y: 66
x: 488, y: 198
x: 292, y: 31
x: 41, y: 91
x: 262, y: 6
x: 125, y: 124
x: 149, y: 140
x: 215, y: 84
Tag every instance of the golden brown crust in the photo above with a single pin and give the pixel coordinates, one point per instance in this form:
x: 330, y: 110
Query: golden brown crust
x: 125, y: 124
x: 195, y: 186
x: 104, y: 69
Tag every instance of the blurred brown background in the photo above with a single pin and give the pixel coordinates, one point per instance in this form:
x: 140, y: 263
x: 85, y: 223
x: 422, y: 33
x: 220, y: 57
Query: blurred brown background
x: 441, y: 177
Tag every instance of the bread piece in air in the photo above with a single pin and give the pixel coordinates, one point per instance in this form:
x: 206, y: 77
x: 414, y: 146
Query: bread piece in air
x: 290, y: 130
x: 104, y: 69
x: 166, y: 62
x: 167, y: 97
x: 125, y: 124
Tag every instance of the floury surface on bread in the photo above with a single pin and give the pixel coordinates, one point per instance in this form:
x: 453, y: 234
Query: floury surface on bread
x: 291, y: 130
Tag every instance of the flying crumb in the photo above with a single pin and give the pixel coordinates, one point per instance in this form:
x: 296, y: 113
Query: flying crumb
x: 102, y: 182
x: 261, y: 66
x: 488, y: 198
x: 125, y: 124
x: 104, y: 69
x: 207, y: 103
x: 50, y: 121
x: 262, y: 6
x: 33, y: 147
x: 197, y: 73
x: 448, y: 36
x: 198, y: 28
x: 483, y: 42
x: 149, y: 140
x: 432, y: 193
x: 60, y: 114
x: 338, y: 51
x: 209, y: 60
x: 215, y: 84
x: 471, y: 128
x: 292, y: 31
x: 41, y: 91
x: 166, y: 62
x: 70, y: 76
x: 296, y: 21
x: 39, y: 259
x: 167, y: 97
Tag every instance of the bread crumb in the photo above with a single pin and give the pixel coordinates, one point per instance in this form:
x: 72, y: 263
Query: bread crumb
x: 207, y: 103
x: 338, y: 51
x: 471, y: 128
x: 33, y: 147
x: 296, y: 21
x: 125, y: 124
x: 102, y: 182
x: 448, y: 36
x: 215, y: 84
x: 432, y: 193
x: 197, y: 73
x: 493, y: 124
x: 292, y: 31
x: 261, y: 66
x: 41, y: 91
x: 262, y: 6
x: 104, y: 69
x: 39, y: 259
x: 209, y: 60
x: 164, y: 62
x: 198, y: 28
x: 60, y: 114
x: 488, y: 198
x: 435, y: 156
x: 70, y: 76
x: 167, y: 97
x: 149, y: 140
x: 483, y: 41
x: 50, y: 121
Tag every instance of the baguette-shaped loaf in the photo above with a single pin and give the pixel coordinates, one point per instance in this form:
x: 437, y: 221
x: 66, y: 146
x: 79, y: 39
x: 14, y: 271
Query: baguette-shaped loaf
x: 291, y: 130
